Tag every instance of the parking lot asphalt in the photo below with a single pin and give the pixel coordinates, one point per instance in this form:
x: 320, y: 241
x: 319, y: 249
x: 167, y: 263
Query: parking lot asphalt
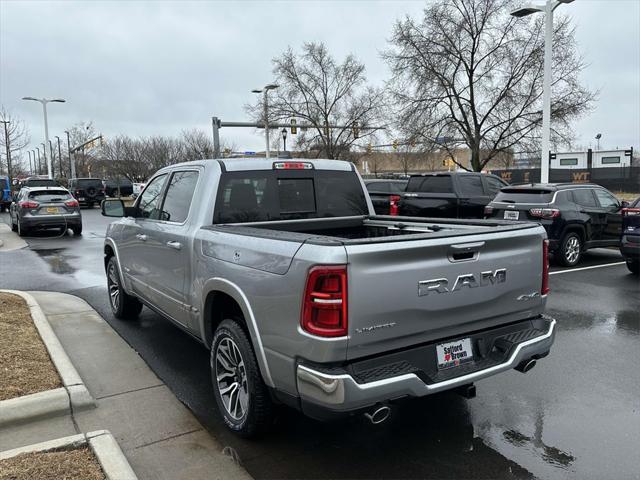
x: 576, y: 415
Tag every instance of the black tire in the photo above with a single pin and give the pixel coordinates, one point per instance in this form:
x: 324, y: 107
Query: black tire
x: 77, y: 230
x: 123, y: 306
x: 634, y: 267
x: 2, y: 208
x: 256, y: 415
x: 14, y: 227
x: 571, y: 249
x: 23, y: 232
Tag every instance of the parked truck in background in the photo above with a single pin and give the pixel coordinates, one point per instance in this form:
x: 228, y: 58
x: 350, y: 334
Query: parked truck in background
x: 305, y: 297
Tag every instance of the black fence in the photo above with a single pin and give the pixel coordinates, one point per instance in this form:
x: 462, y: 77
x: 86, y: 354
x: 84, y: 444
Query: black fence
x: 624, y: 179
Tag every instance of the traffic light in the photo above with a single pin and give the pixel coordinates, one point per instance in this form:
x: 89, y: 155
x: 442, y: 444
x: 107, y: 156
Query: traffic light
x: 294, y: 128
x: 395, y: 144
x: 356, y: 130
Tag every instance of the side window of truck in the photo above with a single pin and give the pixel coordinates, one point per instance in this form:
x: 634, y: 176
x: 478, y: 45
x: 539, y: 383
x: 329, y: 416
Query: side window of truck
x: 149, y: 204
x: 471, y: 185
x: 177, y: 200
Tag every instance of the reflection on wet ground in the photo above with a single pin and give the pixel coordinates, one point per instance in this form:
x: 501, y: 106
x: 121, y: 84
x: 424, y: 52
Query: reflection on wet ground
x: 58, y: 260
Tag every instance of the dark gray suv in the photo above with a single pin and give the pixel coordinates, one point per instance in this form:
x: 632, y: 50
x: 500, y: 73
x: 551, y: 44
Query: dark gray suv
x: 45, y: 207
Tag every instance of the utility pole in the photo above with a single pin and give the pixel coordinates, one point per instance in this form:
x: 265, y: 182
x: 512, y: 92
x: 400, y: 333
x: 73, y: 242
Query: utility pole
x: 7, y: 147
x: 44, y: 102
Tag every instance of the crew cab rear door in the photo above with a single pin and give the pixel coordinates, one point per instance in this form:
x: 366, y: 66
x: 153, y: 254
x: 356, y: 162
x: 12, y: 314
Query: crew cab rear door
x: 408, y: 292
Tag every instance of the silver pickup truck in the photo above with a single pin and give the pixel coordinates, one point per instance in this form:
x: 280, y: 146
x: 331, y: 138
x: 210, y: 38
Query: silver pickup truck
x: 305, y: 297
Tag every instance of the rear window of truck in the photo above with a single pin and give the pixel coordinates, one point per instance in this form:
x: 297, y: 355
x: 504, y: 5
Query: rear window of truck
x: 89, y: 182
x: 524, y: 195
x: 430, y: 184
x: 257, y: 196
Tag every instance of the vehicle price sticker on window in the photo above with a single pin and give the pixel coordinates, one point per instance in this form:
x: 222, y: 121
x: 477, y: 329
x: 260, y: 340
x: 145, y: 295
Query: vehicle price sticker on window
x: 453, y: 354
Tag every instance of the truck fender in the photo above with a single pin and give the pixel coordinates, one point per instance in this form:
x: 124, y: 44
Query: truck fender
x: 111, y: 244
x: 222, y: 285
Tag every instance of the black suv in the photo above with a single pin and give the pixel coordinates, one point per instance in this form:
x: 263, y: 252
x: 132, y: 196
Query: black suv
x: 576, y: 216
x: 87, y: 191
x: 449, y: 194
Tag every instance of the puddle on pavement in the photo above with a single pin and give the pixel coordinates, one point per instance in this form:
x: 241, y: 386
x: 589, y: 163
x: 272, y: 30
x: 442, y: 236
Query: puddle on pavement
x: 61, y: 263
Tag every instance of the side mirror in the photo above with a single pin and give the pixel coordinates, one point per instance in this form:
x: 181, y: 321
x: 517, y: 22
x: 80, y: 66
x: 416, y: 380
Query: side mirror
x: 112, y: 207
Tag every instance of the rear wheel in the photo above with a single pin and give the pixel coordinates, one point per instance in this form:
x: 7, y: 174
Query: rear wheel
x: 14, y: 227
x: 570, y: 249
x: 22, y: 231
x: 77, y: 230
x: 634, y: 266
x: 123, y: 306
x: 242, y: 397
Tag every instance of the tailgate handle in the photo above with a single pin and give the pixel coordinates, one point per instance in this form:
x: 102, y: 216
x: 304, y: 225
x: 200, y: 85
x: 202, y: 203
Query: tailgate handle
x: 464, y: 252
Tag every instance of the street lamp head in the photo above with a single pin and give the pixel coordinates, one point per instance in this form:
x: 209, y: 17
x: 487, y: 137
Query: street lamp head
x: 564, y: 1
x: 284, y: 133
x: 271, y: 86
x: 255, y: 90
x: 598, y: 136
x: 61, y: 100
x: 30, y: 98
x: 524, y: 11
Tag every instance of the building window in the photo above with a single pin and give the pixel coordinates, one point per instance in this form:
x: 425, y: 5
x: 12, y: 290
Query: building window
x: 568, y: 161
x: 606, y: 160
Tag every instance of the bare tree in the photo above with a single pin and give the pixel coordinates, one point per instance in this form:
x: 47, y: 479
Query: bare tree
x: 14, y: 136
x: 317, y: 90
x: 469, y: 73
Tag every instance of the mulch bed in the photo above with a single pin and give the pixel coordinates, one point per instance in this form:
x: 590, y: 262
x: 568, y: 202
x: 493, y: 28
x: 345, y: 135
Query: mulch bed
x: 74, y: 464
x: 25, y: 365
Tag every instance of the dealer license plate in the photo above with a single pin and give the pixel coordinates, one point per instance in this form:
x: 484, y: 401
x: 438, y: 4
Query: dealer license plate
x: 52, y: 209
x: 453, y: 354
x: 510, y: 215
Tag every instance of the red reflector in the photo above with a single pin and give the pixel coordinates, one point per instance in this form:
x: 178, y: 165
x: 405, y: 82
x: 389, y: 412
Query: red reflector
x: 28, y: 204
x: 545, y: 268
x: 393, y: 205
x: 292, y: 166
x: 324, y: 307
x: 488, y: 210
x: 72, y: 203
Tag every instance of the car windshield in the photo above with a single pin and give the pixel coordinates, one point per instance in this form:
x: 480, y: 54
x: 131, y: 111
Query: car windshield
x: 524, y: 195
x: 44, y: 196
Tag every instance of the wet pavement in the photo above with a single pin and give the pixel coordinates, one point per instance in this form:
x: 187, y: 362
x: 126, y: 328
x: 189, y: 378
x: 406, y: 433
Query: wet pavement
x: 576, y: 415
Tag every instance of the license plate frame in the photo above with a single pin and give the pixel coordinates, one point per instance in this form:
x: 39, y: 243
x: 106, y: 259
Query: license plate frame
x: 511, y: 215
x: 51, y: 210
x: 453, y: 354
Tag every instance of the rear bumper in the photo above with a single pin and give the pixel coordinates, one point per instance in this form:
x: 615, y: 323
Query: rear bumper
x: 50, y: 221
x: 339, y: 392
x: 630, y: 247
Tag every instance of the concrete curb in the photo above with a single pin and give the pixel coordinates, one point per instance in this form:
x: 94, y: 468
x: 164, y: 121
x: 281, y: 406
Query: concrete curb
x: 113, y: 462
x: 48, y: 403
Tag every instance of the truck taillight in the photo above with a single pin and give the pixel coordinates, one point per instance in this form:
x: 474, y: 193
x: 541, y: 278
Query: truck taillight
x: 28, y: 204
x: 545, y: 268
x: 324, y: 307
x: 544, y: 212
x: 393, y: 205
x: 629, y: 212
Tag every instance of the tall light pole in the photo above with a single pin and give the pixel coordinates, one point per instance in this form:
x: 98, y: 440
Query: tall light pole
x: 72, y: 165
x: 39, y: 165
x: 265, y: 91
x: 53, y: 159
x: 44, y: 102
x: 548, y: 9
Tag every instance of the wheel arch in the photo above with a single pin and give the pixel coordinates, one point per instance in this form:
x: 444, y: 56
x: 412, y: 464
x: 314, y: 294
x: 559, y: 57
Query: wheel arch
x: 576, y: 228
x: 221, y: 296
x: 111, y: 250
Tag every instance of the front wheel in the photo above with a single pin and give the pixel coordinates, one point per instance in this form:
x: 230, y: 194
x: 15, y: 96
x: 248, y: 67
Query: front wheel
x: 570, y: 249
x: 123, y: 306
x: 634, y: 267
x: 242, y: 397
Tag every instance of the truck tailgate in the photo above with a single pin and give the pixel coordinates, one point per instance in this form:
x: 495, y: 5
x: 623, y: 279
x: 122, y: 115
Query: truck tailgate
x: 407, y: 293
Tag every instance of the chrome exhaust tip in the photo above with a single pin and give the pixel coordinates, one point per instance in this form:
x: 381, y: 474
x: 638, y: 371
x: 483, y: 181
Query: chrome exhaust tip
x: 526, y: 365
x: 378, y: 415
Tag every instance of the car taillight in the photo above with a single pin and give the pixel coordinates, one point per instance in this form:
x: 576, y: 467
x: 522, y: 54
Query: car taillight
x: 324, y: 308
x: 393, y: 205
x: 28, y: 204
x: 629, y: 212
x: 72, y: 203
x: 545, y: 268
x: 488, y: 211
x: 544, y: 212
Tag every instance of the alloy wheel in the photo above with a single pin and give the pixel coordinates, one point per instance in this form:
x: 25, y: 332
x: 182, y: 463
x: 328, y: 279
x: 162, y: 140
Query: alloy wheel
x: 114, y: 287
x: 572, y: 249
x: 231, y: 378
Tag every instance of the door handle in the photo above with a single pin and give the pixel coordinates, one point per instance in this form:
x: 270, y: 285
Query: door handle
x: 174, y: 245
x: 141, y: 236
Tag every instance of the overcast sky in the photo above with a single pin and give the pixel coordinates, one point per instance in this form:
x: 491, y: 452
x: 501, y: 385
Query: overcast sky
x: 158, y: 67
